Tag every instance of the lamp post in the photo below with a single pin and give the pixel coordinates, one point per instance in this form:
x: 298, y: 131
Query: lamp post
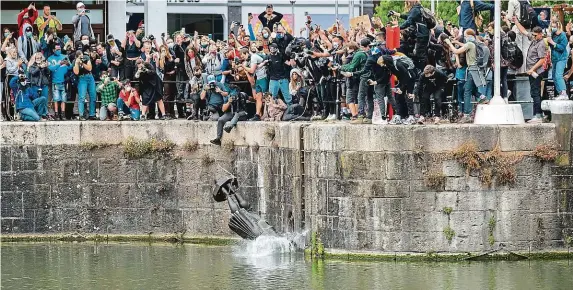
x: 292, y: 2
x: 336, y: 8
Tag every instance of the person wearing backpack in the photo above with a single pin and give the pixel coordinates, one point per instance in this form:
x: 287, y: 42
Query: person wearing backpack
x: 518, y: 9
x: 406, y: 76
x: 536, y: 54
x: 559, y: 56
x: 468, y: 11
x: 420, y: 31
x: 475, y: 78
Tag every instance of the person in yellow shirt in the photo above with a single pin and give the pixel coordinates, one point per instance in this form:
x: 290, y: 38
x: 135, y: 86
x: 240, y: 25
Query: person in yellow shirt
x: 48, y: 20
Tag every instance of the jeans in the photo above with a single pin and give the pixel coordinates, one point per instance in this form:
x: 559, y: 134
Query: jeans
x: 87, y: 85
x: 45, y: 91
x: 380, y: 91
x: 122, y: 107
x: 535, y: 91
x: 117, y: 72
x: 105, y: 111
x: 460, y: 94
x: 59, y: 93
x: 229, y: 116
x: 282, y: 85
x: 364, y: 90
x: 40, y: 110
x: 503, y: 89
x: 426, y: 105
x: 557, y: 71
x: 469, y: 88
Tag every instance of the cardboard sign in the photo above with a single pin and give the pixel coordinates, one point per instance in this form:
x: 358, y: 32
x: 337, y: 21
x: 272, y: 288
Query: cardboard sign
x: 364, y: 20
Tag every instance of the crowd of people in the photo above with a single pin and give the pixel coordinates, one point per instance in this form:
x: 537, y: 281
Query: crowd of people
x: 332, y: 73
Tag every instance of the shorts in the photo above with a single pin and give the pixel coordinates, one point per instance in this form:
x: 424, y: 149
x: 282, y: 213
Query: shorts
x: 262, y: 85
x: 59, y: 93
x: 351, y: 91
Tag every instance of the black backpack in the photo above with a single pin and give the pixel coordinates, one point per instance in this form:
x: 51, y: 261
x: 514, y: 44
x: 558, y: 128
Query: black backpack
x: 428, y: 17
x: 511, y: 53
x: 528, y: 16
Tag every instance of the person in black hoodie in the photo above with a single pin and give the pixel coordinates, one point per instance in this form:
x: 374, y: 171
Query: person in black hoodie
x: 150, y: 89
x: 270, y: 17
x: 406, y: 75
x: 379, y: 77
x: 115, y: 56
x: 419, y: 31
x: 431, y: 82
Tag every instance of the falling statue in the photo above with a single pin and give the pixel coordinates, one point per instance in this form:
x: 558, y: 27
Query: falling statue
x: 243, y: 222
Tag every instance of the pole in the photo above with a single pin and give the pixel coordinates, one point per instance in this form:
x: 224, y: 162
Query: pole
x: 433, y: 5
x: 336, y: 8
x: 497, y: 49
x: 293, y: 18
x: 361, y: 7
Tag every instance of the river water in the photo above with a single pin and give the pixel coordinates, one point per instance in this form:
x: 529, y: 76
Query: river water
x: 166, y: 266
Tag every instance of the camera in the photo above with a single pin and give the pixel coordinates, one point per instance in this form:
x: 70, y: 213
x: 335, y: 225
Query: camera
x: 390, y: 13
x: 151, y: 37
x: 85, y: 58
x: 237, y: 61
x: 112, y: 79
x: 212, y: 86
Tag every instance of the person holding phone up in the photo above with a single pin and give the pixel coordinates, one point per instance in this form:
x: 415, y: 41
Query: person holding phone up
x: 47, y: 20
x: 82, y: 23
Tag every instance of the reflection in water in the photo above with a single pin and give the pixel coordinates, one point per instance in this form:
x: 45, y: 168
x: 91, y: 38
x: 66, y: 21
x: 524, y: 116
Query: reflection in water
x: 141, y: 266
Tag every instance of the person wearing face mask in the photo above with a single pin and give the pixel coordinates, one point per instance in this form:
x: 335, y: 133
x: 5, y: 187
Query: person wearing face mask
x: 131, y: 47
x: 59, y: 66
x: 9, y: 40
x: 39, y: 74
x: 534, y: 65
x: 474, y: 76
x: 82, y: 23
x: 27, y: 16
x: 270, y: 17
x: 402, y: 67
x: 432, y: 82
x: 213, y: 64
x: 279, y: 74
x: 282, y: 39
x: 86, y: 84
x: 559, y: 56
x: 362, y: 73
x: 358, y: 61
x: 504, y: 64
x: 48, y: 42
x: 29, y: 104
x: 27, y: 45
x: 115, y: 56
x: 84, y: 44
x: 108, y: 90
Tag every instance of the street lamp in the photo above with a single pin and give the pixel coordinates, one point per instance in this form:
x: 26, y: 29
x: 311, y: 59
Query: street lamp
x: 292, y: 2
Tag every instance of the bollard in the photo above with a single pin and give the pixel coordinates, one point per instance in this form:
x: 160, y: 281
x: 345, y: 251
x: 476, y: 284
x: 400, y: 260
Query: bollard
x: 562, y: 117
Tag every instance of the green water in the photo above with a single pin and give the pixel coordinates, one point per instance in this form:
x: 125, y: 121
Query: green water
x: 140, y: 266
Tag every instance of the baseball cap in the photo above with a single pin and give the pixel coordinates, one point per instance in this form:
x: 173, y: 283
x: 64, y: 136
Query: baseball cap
x: 80, y: 4
x: 269, y: 5
x: 110, y: 37
x: 274, y: 45
x: 211, y: 79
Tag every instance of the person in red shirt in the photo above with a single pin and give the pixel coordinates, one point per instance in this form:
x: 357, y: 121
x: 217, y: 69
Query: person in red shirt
x: 27, y: 15
x: 128, y: 102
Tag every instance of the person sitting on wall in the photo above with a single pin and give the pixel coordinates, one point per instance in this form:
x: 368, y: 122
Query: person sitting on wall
x: 29, y: 104
x: 270, y: 17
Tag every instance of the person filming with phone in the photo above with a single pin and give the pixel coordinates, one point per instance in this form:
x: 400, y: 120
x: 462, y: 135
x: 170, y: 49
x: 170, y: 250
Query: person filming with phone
x: 82, y: 23
x: 47, y: 20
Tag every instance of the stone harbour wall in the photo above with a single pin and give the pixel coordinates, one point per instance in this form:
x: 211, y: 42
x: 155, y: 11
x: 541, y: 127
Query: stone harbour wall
x: 361, y: 188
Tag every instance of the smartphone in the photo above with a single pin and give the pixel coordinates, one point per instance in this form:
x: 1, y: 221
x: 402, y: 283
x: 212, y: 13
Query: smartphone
x: 87, y: 11
x: 53, y: 13
x: 210, y: 36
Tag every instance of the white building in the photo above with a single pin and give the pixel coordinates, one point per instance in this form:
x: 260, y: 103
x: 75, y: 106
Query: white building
x: 214, y: 16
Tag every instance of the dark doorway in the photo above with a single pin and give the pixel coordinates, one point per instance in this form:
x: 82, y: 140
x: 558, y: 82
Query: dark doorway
x: 204, y: 24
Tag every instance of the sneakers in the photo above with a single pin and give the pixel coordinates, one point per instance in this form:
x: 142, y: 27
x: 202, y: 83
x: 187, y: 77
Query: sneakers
x: 466, y: 119
x: 254, y: 119
x: 483, y: 100
x: 366, y: 121
x: 228, y: 129
x: 410, y: 121
x: 535, y: 120
x: 316, y: 118
x: 436, y: 120
x: 216, y: 141
x: 396, y: 120
x: 143, y: 117
x: 421, y: 120
x: 562, y: 96
x: 380, y: 122
x: 358, y: 120
x: 331, y: 117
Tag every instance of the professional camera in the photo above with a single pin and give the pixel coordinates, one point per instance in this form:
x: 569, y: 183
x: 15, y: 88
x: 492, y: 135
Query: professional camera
x: 85, y: 58
x: 297, y: 46
x: 212, y: 86
x: 22, y: 78
x: 390, y: 13
x: 151, y: 37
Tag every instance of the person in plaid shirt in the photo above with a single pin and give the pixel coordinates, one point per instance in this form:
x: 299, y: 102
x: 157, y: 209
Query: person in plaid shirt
x: 109, y: 90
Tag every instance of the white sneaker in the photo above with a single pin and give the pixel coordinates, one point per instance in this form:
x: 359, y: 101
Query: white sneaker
x: 410, y: 121
x: 508, y: 94
x: 396, y: 120
x: 331, y: 117
x: 562, y: 96
x: 380, y: 122
x: 436, y: 120
x: 420, y: 120
x: 535, y: 120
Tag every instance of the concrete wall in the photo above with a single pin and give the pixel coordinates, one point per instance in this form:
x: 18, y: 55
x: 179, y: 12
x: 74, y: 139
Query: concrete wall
x: 359, y: 187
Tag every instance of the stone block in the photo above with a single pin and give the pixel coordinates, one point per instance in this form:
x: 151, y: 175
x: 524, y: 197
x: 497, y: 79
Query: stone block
x: 154, y: 195
x: 562, y: 170
x: 18, y: 133
x: 468, y: 223
x: 62, y: 133
x: 565, y: 201
x: 399, y: 165
x: 326, y: 137
x: 420, y: 201
x: 451, y: 136
x: 514, y: 200
x: 387, y: 214
x: 24, y: 180
x: 103, y: 195
x: 545, y: 227
x: 456, y: 184
x: 446, y: 199
x: 476, y: 201
x: 396, y: 188
x: 415, y: 221
x: 12, y: 204
x: 525, y: 137
x: 67, y: 195
x: 5, y: 158
x: 156, y: 170
x: 362, y: 165
x: 379, y: 138
x: 102, y: 132
x: 512, y: 226
x: 452, y: 168
x: 326, y: 164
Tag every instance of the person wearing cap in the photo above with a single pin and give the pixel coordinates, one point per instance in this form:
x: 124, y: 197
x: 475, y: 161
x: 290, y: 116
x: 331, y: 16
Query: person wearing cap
x: 216, y: 95
x: 27, y: 16
x: 29, y: 104
x: 82, y: 23
x: 115, y: 56
x: 128, y: 102
x: 270, y: 17
x: 27, y: 45
x: 59, y: 65
x: 47, y: 20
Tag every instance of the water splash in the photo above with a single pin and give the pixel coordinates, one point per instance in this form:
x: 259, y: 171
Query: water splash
x: 271, y: 245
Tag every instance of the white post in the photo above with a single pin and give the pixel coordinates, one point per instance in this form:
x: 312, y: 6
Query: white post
x: 117, y: 19
x: 497, y: 49
x: 433, y: 6
x: 155, y: 17
x: 336, y: 8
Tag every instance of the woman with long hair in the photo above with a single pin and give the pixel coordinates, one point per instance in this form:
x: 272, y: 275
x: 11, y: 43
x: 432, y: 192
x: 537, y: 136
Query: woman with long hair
x: 192, y: 61
x: 150, y: 89
x: 559, y: 55
x: 166, y: 66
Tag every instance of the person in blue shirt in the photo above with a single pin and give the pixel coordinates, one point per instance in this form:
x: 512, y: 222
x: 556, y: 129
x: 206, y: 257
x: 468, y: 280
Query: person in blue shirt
x: 29, y: 104
x: 59, y: 65
x: 216, y: 95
